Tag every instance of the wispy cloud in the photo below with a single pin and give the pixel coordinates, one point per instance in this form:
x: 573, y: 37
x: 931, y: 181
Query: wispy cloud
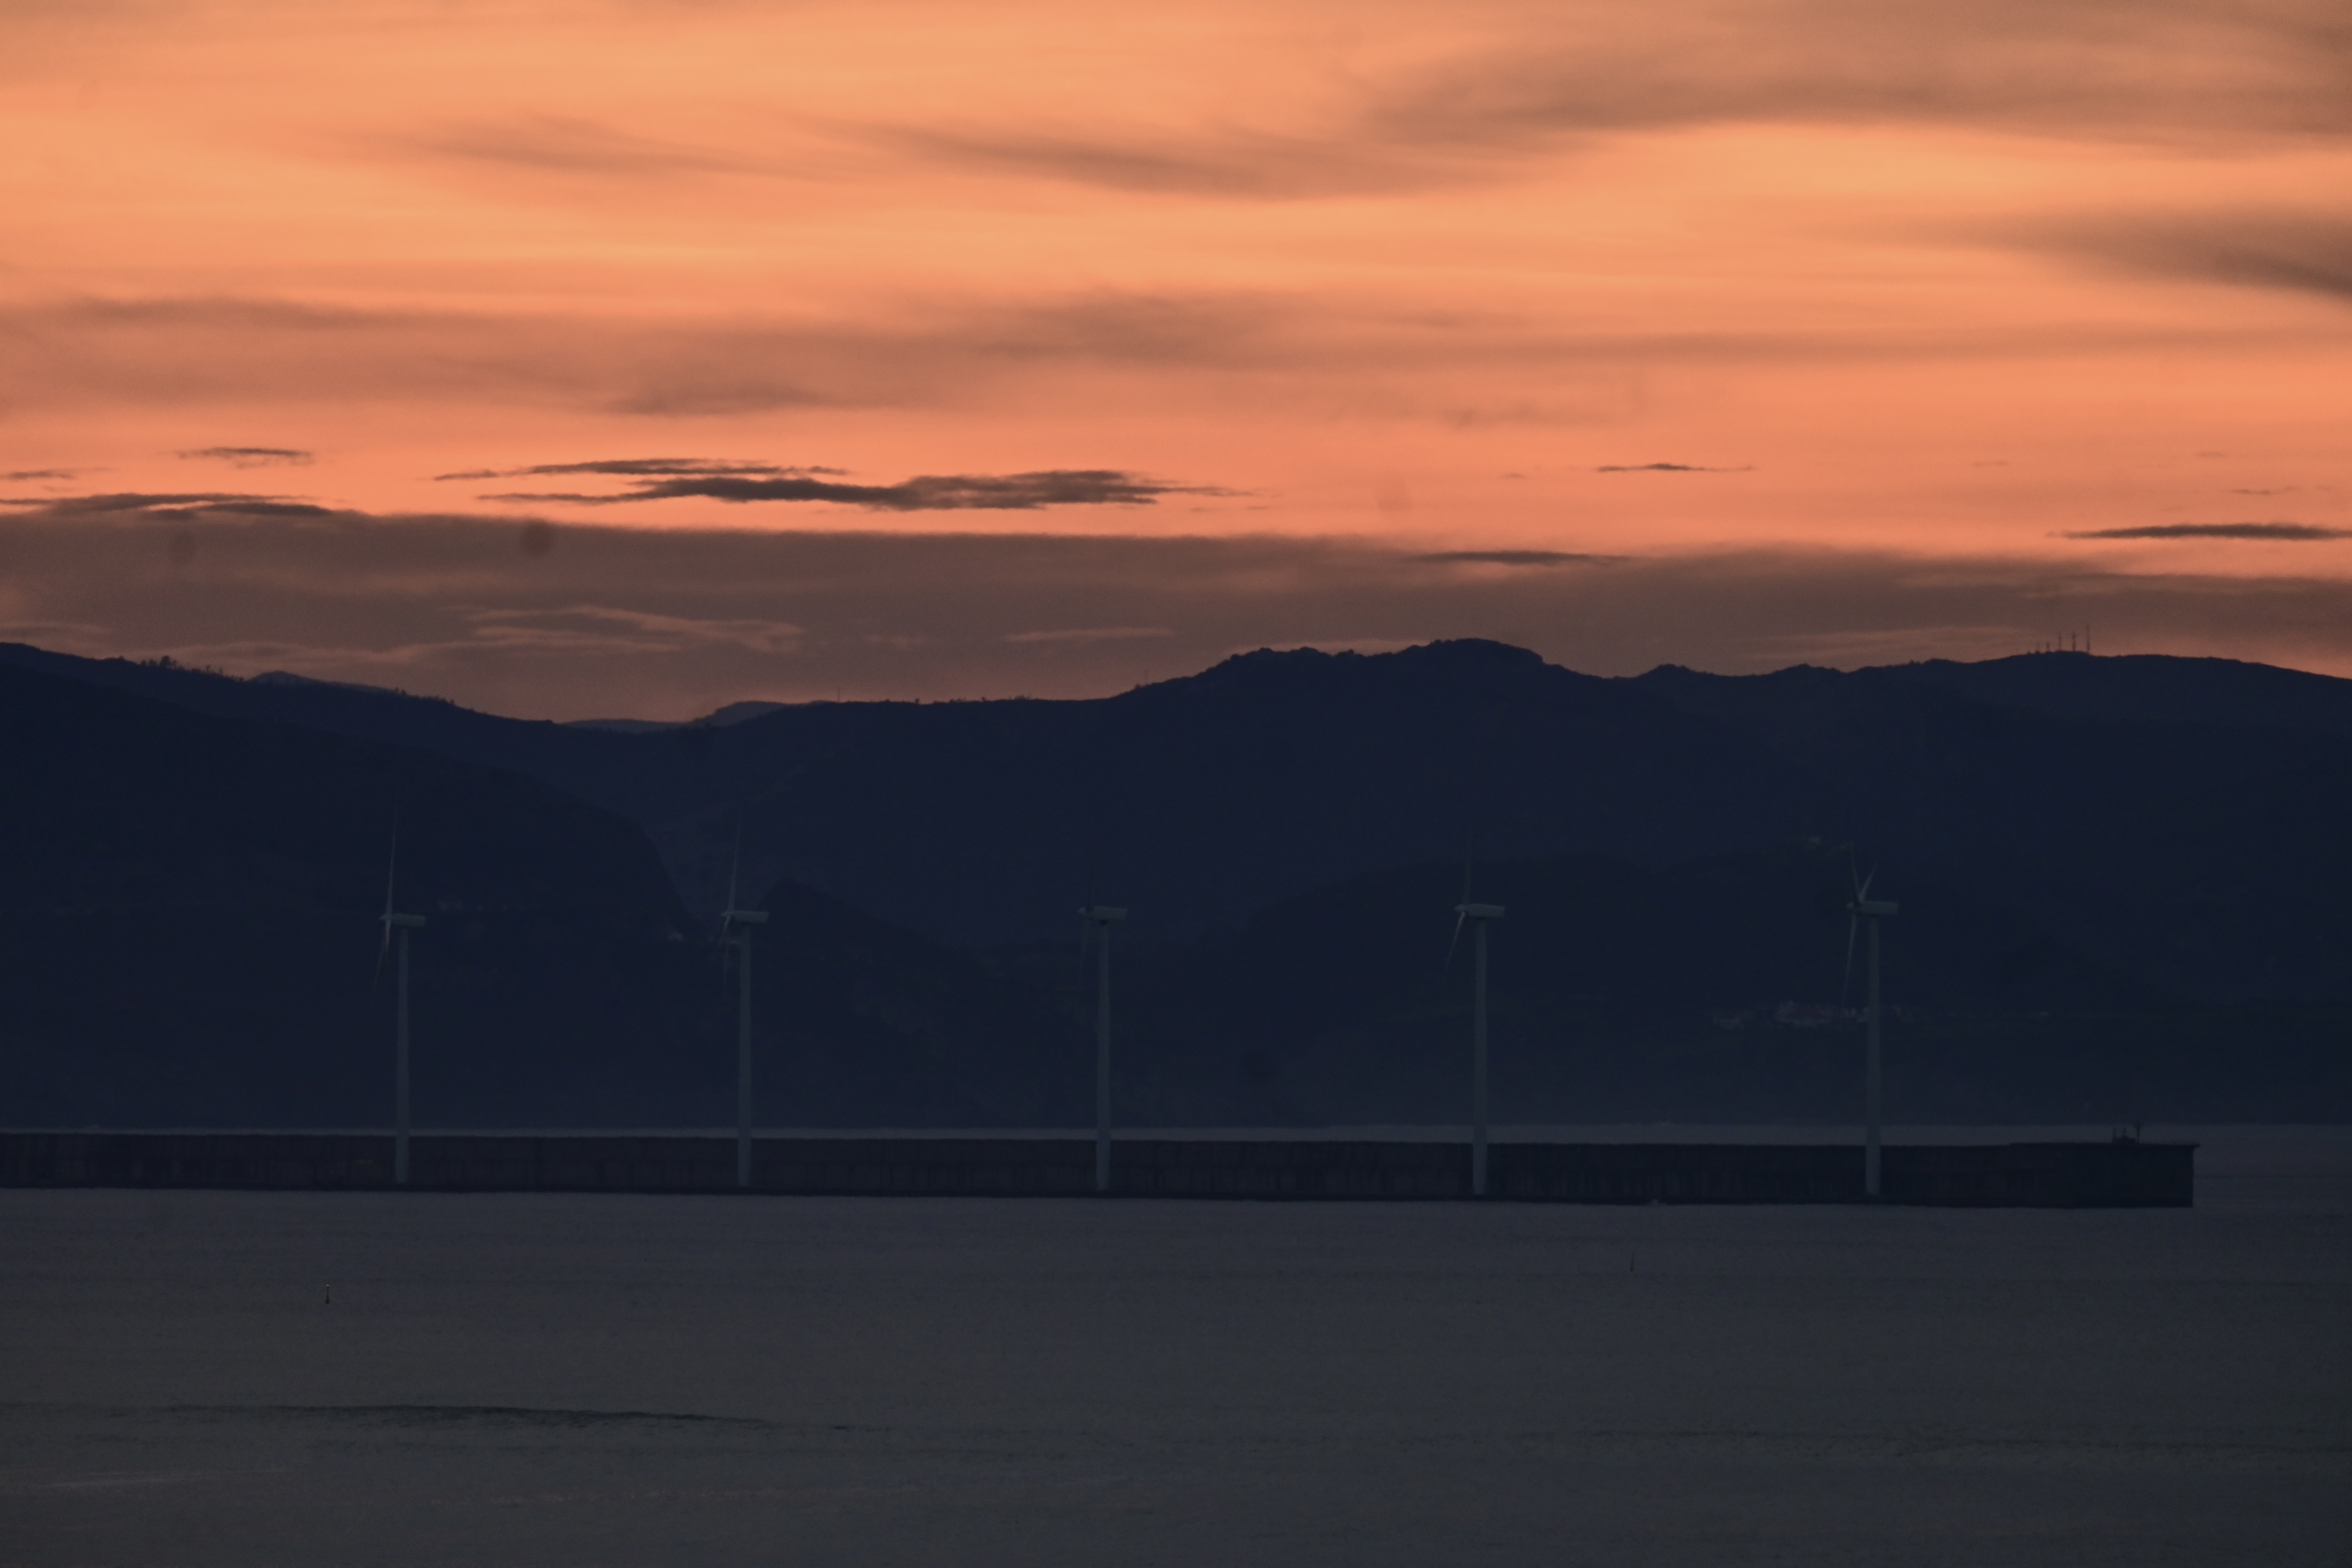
x: 641, y: 468
x: 2300, y: 252
x: 176, y: 504
x: 1495, y: 100
x: 1230, y: 353
x: 569, y: 145
x: 610, y: 626
x: 1515, y: 558
x: 2161, y: 70
x: 1092, y: 634
x: 252, y: 457
x: 2287, y: 531
x: 1226, y: 163
x: 927, y: 493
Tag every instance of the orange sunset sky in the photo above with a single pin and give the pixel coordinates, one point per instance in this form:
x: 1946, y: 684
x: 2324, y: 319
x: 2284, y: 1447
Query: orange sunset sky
x: 575, y: 359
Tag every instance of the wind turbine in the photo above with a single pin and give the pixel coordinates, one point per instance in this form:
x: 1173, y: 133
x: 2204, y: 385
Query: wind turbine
x: 1864, y: 908
x: 1099, y: 919
x: 402, y: 924
x: 727, y: 923
x: 1482, y: 914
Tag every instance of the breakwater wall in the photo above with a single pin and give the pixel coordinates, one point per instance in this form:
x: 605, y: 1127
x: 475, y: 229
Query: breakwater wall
x: 2120, y: 1175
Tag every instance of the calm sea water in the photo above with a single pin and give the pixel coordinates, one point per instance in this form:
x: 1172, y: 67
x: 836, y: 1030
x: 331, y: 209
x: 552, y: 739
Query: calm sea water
x: 576, y: 1380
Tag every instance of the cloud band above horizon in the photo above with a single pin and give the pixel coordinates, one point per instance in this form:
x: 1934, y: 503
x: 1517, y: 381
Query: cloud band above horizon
x: 538, y: 618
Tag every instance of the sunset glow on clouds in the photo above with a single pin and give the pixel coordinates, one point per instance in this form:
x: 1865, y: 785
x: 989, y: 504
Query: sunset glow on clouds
x: 1508, y: 308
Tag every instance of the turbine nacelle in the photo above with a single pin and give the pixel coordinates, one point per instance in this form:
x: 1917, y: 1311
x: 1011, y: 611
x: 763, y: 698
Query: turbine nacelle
x: 1874, y: 907
x: 1105, y: 913
x: 746, y: 917
x: 1479, y: 911
x: 411, y: 921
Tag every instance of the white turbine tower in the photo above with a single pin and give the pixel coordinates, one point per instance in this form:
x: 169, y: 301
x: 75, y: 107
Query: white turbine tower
x: 1482, y: 914
x: 1864, y: 908
x: 400, y: 925
x: 1099, y: 919
x: 728, y: 924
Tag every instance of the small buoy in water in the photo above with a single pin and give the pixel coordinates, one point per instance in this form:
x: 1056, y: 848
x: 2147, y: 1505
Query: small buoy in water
x: 1629, y: 1263
x: 331, y: 1295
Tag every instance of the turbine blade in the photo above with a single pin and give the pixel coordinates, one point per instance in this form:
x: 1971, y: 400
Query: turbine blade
x: 391, y: 872
x: 1458, y: 918
x: 734, y: 862
x: 1866, y: 881
x: 390, y: 876
x: 1086, y: 909
x: 1845, y: 986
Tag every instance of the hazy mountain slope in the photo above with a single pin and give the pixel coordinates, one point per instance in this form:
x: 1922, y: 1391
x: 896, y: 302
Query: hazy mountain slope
x: 2163, y: 815
x: 2177, y: 851
x: 2149, y: 689
x: 863, y: 1023
x: 190, y: 908
x: 188, y: 935
x: 622, y: 772
x: 1635, y: 993
x: 1198, y: 800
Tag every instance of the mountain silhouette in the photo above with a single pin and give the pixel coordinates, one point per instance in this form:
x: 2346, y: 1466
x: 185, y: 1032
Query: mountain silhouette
x: 2112, y: 870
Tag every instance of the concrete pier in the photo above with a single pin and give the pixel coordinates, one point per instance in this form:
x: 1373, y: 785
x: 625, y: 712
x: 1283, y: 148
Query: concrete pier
x: 2124, y: 1173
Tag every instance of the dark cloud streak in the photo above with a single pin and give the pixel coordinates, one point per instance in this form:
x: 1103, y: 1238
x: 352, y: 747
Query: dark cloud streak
x: 1139, y: 345
x: 2199, y: 72
x: 136, y: 501
x: 2103, y: 70
x: 252, y: 457
x: 928, y: 492
x: 2287, y: 251
x: 1516, y: 558
x: 2294, y: 532
x: 642, y: 468
x: 2094, y: 70
x: 562, y: 144
x: 1230, y: 164
x: 1669, y: 468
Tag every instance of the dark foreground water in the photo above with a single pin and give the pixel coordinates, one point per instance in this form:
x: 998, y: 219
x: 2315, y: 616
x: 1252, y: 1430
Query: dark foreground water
x: 539, y: 1379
